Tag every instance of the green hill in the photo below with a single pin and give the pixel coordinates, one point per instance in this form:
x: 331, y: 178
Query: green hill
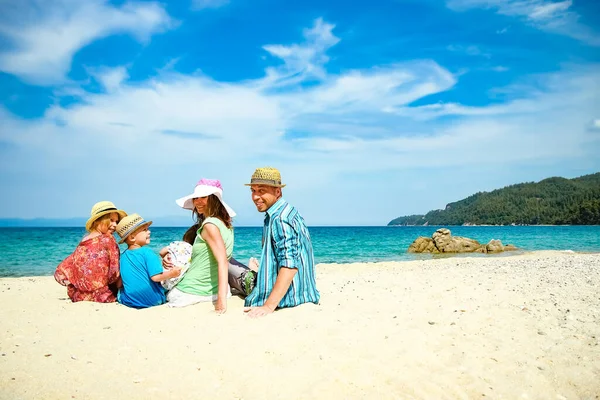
x: 552, y: 201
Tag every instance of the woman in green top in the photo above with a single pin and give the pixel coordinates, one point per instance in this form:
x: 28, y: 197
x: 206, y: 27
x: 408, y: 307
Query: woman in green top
x: 207, y: 277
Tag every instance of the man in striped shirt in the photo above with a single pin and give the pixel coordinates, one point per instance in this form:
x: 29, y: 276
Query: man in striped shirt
x: 286, y: 274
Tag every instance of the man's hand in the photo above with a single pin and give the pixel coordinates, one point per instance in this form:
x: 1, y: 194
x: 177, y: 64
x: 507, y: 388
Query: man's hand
x: 257, y: 312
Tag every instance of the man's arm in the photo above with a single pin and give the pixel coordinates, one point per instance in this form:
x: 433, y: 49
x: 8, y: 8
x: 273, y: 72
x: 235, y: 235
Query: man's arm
x: 282, y: 284
x: 285, y: 247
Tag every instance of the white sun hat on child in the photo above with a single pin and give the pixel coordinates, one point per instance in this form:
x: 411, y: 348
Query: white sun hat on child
x: 205, y: 187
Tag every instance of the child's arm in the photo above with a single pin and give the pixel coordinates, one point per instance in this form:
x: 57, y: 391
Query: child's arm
x: 62, y: 271
x: 171, y: 273
x: 167, y: 261
x: 119, y: 283
x: 155, y: 270
x: 163, y: 252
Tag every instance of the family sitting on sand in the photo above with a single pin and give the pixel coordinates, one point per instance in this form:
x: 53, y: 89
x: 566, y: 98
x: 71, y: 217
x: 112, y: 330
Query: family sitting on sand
x: 199, y: 268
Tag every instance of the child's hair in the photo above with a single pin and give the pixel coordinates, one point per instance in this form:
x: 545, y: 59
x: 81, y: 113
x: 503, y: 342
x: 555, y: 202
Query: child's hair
x: 102, y: 223
x: 129, y: 237
x: 214, y: 208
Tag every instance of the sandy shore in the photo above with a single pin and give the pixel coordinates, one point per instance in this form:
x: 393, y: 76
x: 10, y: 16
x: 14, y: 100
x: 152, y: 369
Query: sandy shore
x: 518, y: 327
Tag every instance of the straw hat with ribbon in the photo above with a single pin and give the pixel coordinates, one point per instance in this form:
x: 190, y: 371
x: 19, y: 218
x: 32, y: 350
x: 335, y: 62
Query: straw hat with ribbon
x: 205, y: 187
x: 268, y: 176
x: 99, y: 210
x: 129, y: 224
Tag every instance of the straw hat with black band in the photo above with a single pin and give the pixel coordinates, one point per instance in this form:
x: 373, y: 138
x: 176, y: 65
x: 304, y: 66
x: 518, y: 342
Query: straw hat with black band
x: 130, y: 224
x: 267, y: 176
x: 101, y: 209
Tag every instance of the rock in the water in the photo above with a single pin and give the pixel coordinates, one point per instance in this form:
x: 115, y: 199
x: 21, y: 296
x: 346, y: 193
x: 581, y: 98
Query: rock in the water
x: 494, y: 246
x: 442, y: 241
x: 446, y: 243
x: 423, y: 245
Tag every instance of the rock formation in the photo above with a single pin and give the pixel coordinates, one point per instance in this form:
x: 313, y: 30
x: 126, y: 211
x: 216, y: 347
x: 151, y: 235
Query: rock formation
x: 442, y: 241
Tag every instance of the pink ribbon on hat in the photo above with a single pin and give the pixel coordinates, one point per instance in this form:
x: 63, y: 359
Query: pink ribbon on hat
x: 205, y: 187
x: 210, y: 182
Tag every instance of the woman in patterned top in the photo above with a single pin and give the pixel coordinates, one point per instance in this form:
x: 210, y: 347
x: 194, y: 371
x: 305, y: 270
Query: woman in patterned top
x: 91, y: 273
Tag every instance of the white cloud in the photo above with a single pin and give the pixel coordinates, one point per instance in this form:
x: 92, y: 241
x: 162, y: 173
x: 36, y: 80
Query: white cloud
x: 110, y: 78
x: 202, y: 4
x: 548, y: 15
x: 529, y: 99
x: 367, y: 93
x: 549, y: 11
x: 45, y: 34
x: 302, y: 61
x: 142, y: 145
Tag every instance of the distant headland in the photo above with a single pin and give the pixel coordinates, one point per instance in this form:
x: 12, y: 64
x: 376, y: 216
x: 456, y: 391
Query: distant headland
x: 552, y: 201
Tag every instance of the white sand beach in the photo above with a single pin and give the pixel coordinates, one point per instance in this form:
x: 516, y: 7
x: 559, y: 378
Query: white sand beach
x: 495, y: 327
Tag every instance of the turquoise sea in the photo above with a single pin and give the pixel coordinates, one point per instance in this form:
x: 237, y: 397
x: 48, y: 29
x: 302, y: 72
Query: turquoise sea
x: 37, y: 251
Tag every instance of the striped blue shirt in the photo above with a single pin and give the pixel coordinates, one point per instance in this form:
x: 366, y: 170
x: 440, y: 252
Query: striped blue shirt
x: 286, y: 243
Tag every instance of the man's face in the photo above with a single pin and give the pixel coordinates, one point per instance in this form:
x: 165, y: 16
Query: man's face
x: 264, y: 196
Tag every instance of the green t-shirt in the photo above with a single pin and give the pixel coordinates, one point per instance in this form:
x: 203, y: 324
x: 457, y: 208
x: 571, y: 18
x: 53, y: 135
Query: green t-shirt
x: 202, y: 278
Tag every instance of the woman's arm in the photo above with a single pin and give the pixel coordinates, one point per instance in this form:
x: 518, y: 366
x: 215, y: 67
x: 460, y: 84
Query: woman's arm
x: 212, y: 237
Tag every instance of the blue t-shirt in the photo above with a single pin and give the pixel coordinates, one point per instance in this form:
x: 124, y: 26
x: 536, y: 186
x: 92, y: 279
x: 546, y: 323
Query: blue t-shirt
x: 139, y: 291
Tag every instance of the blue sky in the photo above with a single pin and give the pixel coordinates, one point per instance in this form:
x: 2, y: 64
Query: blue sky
x: 371, y: 110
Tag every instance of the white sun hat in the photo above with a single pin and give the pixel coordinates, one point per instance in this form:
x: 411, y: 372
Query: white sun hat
x: 205, y: 187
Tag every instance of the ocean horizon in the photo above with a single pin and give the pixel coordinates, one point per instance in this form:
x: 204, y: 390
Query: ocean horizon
x: 27, y: 251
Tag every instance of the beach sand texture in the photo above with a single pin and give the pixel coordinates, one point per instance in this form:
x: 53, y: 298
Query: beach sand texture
x: 494, y: 327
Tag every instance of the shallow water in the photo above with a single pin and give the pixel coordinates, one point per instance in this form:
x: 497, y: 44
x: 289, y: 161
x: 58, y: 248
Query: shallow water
x: 37, y: 251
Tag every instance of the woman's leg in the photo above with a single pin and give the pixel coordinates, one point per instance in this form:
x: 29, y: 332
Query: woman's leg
x: 177, y: 298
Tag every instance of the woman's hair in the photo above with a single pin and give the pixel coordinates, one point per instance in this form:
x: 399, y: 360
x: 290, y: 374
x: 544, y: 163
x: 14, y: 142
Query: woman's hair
x: 102, y: 223
x: 190, y: 235
x: 214, y: 208
x: 198, y: 218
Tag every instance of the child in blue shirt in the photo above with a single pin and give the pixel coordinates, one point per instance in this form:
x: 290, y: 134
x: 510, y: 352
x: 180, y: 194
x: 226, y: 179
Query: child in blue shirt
x: 141, y: 268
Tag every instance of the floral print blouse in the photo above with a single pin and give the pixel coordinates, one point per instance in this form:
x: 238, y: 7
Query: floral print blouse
x: 91, y: 273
